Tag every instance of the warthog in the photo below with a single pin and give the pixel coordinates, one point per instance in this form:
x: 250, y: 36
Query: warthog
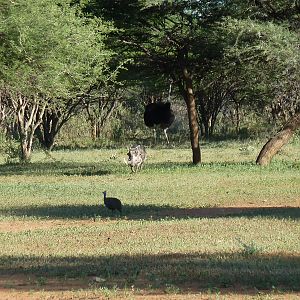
x: 136, y: 157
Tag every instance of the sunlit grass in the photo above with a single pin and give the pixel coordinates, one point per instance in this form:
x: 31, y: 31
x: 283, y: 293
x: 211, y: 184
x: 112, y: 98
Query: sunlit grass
x: 178, y: 227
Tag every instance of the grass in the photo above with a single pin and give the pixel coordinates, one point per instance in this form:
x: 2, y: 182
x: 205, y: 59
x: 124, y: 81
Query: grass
x: 227, y: 224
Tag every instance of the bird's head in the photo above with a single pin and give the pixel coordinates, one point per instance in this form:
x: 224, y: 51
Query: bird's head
x: 104, y: 193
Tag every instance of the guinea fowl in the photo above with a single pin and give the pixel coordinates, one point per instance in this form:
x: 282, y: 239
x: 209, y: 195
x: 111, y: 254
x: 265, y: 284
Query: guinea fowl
x: 159, y: 114
x: 112, y: 203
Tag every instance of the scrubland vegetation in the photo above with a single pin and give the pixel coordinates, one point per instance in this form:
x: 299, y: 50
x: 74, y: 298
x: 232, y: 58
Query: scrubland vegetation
x: 225, y: 228
x: 214, y: 213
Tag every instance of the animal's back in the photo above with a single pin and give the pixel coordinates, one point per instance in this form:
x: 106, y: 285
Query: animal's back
x: 150, y: 118
x: 136, y: 154
x: 113, y: 204
x: 158, y: 113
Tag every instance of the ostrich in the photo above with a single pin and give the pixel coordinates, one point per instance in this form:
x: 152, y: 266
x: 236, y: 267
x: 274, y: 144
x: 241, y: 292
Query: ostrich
x: 159, y: 114
x: 112, y: 203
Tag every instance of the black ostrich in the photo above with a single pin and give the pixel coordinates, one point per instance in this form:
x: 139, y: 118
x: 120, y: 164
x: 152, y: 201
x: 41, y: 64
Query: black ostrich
x: 112, y: 203
x: 159, y: 114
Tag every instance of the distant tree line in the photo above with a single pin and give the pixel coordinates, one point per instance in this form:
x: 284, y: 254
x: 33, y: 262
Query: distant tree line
x: 64, y: 57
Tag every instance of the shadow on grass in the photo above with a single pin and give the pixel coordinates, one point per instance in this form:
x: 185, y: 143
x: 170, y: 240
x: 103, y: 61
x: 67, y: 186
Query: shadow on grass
x: 186, y: 272
x: 82, y: 169
x: 118, y: 167
x: 149, y: 212
x: 55, y: 168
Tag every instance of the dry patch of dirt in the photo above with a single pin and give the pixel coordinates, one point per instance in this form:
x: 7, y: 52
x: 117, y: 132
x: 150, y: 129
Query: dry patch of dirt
x: 205, y: 212
x: 33, y: 288
x: 17, y: 225
x: 22, y: 282
x: 26, y: 287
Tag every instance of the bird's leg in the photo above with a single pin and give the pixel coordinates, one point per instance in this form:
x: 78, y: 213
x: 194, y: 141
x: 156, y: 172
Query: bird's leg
x: 165, y: 131
x: 154, y: 134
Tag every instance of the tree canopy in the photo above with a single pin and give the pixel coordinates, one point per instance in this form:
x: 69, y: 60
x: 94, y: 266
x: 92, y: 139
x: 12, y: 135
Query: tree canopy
x: 51, y: 54
x: 213, y: 51
x: 50, y: 48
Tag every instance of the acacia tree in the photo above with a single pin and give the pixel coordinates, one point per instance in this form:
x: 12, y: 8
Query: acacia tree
x: 52, y: 56
x: 268, y: 52
x: 185, y: 39
x: 5, y: 111
x: 214, y: 92
x: 100, y: 109
x: 286, y: 91
x: 173, y: 38
x: 56, y: 114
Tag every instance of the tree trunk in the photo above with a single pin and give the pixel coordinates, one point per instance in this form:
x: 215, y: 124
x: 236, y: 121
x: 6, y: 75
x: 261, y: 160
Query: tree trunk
x: 93, y: 125
x: 280, y: 139
x: 99, y: 114
x: 194, y: 129
x: 238, y: 118
x: 26, y: 147
x: 29, y: 114
x: 48, y: 129
x: 206, y: 128
x: 95, y: 128
x: 187, y: 91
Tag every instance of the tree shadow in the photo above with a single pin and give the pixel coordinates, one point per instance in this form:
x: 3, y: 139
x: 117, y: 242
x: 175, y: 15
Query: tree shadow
x: 83, y: 169
x: 218, y: 164
x: 186, y: 272
x: 101, y: 168
x: 55, y: 168
x: 149, y: 212
x: 114, y: 167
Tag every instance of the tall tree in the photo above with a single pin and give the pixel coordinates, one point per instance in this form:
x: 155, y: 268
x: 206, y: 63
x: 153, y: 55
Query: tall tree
x: 266, y: 48
x: 100, y: 110
x: 174, y: 38
x: 51, y: 55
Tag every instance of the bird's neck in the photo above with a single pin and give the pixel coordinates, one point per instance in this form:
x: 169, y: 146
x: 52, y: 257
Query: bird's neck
x: 104, y: 198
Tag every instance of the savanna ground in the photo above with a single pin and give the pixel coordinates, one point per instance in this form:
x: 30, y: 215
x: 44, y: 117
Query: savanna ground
x: 227, y: 229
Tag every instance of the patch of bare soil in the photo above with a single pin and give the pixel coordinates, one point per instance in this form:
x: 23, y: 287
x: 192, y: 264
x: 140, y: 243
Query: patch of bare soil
x: 17, y: 225
x: 205, y: 212
x: 26, y: 287
x: 32, y: 288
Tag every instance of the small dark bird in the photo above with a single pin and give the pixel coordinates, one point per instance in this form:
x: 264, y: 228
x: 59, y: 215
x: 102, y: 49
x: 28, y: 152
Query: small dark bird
x: 159, y: 114
x: 112, y: 203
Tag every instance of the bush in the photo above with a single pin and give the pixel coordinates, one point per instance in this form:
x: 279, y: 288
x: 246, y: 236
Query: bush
x: 10, y: 148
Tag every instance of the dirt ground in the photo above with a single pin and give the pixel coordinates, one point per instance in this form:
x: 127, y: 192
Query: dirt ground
x: 25, y: 287
x: 211, y: 212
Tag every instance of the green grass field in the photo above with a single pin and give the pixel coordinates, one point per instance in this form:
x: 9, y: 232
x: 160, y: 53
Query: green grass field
x: 226, y: 227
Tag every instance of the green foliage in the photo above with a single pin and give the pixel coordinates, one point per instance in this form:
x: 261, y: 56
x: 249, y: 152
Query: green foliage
x: 237, y: 51
x: 10, y: 148
x: 262, y: 42
x: 52, y: 58
x: 154, y: 32
x: 265, y: 56
x: 244, y: 51
x: 51, y: 49
x: 249, y: 249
